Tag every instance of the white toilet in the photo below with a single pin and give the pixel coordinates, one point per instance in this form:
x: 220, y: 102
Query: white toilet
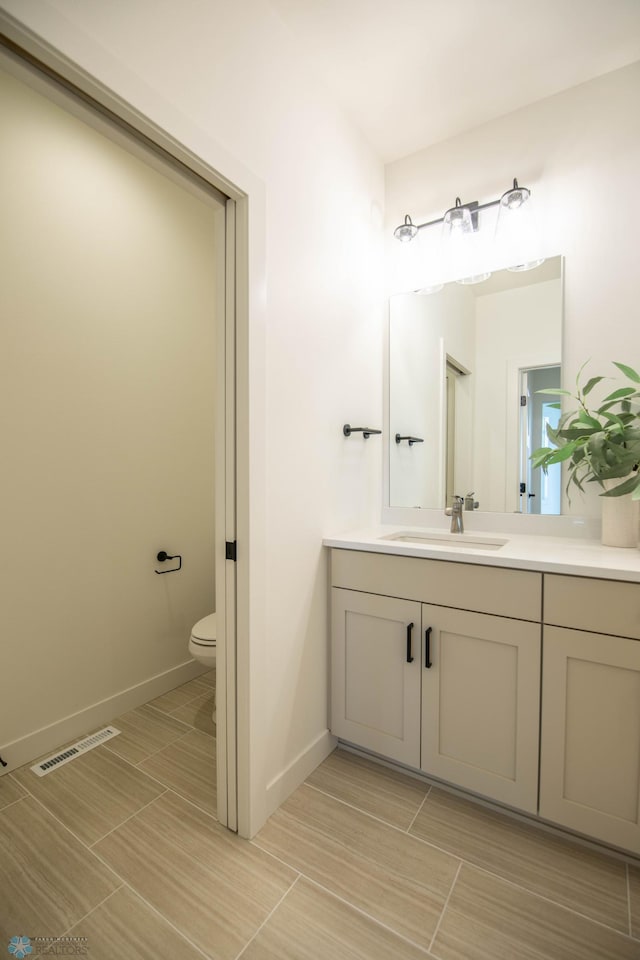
x: 202, y: 645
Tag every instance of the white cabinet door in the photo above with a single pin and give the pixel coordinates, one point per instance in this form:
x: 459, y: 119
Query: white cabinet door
x: 590, y: 748
x: 481, y: 703
x: 375, y: 673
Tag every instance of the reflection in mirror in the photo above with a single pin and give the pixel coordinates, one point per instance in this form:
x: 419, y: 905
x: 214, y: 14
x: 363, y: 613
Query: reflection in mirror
x: 539, y: 492
x: 465, y: 365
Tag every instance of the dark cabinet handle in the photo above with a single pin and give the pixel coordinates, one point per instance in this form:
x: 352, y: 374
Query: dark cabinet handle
x: 409, y: 632
x: 427, y: 648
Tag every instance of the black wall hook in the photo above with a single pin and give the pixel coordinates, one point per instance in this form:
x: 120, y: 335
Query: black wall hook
x: 163, y: 555
x: 365, y: 431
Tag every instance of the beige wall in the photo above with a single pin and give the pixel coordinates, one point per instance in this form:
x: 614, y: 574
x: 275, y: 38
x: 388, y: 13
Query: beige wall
x: 579, y: 152
x: 107, y: 356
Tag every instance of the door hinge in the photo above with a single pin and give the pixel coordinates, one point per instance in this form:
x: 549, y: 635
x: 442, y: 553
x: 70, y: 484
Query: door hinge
x: 523, y: 401
x: 231, y: 550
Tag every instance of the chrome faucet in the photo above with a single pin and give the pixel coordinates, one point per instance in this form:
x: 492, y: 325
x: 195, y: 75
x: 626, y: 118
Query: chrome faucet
x: 455, y: 512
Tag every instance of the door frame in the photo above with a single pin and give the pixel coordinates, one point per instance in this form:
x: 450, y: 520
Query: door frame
x: 238, y: 806
x: 513, y: 422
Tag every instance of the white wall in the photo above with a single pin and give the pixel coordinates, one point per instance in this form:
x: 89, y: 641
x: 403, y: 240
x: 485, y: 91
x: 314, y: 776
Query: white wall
x: 579, y: 152
x: 229, y: 82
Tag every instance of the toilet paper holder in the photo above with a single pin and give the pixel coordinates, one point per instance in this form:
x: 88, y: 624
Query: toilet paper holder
x: 163, y: 555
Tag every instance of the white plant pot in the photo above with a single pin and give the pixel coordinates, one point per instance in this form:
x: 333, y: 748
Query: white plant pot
x: 620, y: 519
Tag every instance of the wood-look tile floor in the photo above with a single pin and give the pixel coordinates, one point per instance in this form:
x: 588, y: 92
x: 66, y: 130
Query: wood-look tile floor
x: 121, y: 847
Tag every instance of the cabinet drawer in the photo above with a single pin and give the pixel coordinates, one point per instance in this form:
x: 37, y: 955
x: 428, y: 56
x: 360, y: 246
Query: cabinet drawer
x: 468, y: 586
x: 601, y: 606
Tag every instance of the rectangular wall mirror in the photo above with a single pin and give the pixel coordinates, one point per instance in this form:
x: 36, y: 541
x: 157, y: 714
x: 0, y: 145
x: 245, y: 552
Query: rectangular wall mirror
x: 465, y: 367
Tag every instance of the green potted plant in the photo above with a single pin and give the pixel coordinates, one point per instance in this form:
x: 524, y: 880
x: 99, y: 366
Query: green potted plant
x: 600, y: 444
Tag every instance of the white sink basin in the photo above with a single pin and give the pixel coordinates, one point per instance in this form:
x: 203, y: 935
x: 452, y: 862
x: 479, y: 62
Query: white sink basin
x: 469, y: 541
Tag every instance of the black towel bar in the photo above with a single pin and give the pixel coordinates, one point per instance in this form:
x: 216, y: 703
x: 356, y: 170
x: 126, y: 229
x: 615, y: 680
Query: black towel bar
x: 365, y: 431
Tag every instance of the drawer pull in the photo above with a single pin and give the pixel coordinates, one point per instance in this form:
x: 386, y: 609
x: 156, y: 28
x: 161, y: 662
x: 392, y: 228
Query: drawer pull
x: 427, y: 648
x: 409, y: 653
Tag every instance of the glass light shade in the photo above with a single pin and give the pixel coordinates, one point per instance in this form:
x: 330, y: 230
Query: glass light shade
x: 461, y: 244
x: 516, y: 197
x: 406, y: 267
x: 517, y: 238
x: 457, y: 220
x: 406, y: 231
x: 417, y: 266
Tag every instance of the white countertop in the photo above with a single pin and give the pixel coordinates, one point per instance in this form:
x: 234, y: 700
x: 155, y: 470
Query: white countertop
x: 584, y: 558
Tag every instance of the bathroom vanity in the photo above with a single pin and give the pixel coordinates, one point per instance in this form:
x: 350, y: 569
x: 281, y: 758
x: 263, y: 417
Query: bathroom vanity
x: 509, y: 667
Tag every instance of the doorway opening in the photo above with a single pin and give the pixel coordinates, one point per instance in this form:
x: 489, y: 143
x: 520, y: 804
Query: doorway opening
x: 104, y: 372
x: 540, y: 492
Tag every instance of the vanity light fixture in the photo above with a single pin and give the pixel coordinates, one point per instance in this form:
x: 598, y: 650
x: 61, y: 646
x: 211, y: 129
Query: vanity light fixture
x: 460, y: 225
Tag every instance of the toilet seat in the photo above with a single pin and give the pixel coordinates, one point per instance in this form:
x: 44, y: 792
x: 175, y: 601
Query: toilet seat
x: 204, y: 631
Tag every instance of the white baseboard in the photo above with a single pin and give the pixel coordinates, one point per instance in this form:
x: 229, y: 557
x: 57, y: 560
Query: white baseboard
x: 298, y: 770
x: 49, y: 738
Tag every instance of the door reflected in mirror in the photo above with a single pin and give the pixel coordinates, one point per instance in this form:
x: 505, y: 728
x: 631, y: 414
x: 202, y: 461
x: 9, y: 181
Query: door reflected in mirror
x: 539, y: 492
x: 460, y: 360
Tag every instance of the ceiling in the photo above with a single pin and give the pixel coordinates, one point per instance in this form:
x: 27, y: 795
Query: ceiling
x: 413, y: 72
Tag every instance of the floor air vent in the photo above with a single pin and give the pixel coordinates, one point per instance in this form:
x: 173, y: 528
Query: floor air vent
x: 70, y: 753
